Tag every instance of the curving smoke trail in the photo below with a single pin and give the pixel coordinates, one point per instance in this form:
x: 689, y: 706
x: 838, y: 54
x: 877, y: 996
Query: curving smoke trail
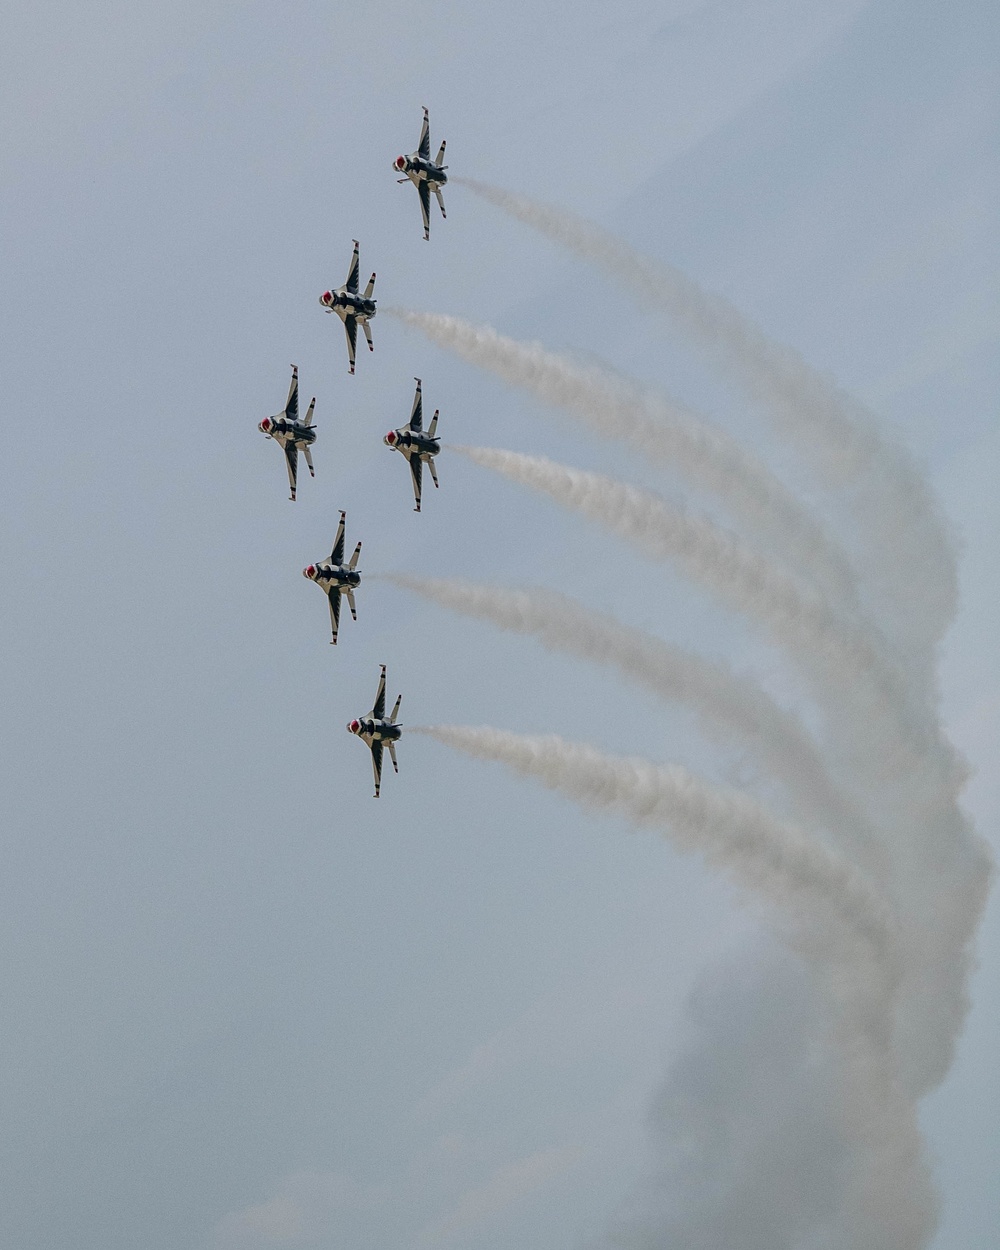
x: 663, y: 431
x: 728, y: 706
x: 773, y: 859
x: 890, y: 950
x: 848, y: 662
x: 889, y: 748
x: 840, y: 925
x: 909, y: 550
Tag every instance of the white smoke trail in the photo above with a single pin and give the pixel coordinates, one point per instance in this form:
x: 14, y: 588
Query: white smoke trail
x: 727, y: 705
x: 773, y: 859
x: 890, y: 748
x: 840, y: 925
x: 909, y: 548
x: 848, y: 662
x: 664, y: 431
x: 611, y: 405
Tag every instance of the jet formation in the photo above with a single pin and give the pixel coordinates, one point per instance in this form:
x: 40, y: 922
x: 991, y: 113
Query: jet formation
x: 339, y: 580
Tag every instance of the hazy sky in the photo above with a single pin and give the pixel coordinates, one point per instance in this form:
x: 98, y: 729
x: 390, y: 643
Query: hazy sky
x: 245, y: 1006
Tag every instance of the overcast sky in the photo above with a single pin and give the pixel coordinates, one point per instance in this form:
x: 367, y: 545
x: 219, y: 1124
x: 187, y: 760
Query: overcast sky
x: 245, y: 1006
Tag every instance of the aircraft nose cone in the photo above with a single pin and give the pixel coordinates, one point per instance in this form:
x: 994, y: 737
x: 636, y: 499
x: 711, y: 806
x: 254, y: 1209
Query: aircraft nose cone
x: 390, y: 439
x: 264, y: 425
x: 353, y: 726
x: 309, y: 571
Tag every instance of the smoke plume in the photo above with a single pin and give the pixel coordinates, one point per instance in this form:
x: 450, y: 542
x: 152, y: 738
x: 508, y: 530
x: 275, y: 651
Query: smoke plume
x: 883, y: 914
x: 849, y: 663
x: 839, y: 924
x: 729, y: 708
x: 908, y: 549
x: 664, y: 432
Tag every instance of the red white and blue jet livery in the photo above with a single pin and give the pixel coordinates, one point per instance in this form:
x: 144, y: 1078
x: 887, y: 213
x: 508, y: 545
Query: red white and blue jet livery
x: 379, y: 731
x: 290, y: 433
x: 336, y: 578
x: 353, y: 309
x: 418, y: 447
x: 425, y: 174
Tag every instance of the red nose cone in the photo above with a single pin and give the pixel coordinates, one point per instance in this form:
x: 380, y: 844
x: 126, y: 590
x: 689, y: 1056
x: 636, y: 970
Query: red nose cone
x: 326, y: 297
x: 265, y: 425
x: 354, y: 726
x: 390, y: 438
x: 310, y: 571
x: 400, y: 162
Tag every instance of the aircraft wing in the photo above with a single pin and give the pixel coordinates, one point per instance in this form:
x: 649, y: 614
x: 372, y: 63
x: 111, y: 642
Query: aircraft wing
x: 334, y: 611
x: 352, y: 274
x: 292, y: 462
x: 351, y: 328
x: 377, y: 764
x: 424, y: 146
x: 417, y: 413
x: 424, y: 191
x: 416, y: 472
x: 378, y: 710
x: 337, y: 554
x: 292, y: 402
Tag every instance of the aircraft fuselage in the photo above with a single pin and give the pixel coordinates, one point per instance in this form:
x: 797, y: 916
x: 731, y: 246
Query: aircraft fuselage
x: 373, y: 729
x: 284, y: 431
x: 345, y: 305
x: 336, y: 577
x: 418, y: 170
x: 415, y: 443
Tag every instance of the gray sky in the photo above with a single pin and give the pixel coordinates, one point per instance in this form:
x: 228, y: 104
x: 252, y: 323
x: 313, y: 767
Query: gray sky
x: 245, y: 1006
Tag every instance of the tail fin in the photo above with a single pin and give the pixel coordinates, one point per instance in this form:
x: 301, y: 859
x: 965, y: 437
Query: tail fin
x: 354, y: 558
x: 440, y: 155
x: 395, y: 710
x: 309, y: 414
x: 309, y: 460
x: 370, y: 287
x: 440, y: 200
x: 434, y: 423
x: 392, y: 755
x: 349, y: 595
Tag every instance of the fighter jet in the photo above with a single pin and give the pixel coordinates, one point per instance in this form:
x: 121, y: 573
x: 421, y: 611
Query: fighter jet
x: 425, y: 174
x: 378, y: 731
x: 337, y: 578
x: 290, y: 433
x: 415, y: 445
x: 353, y: 309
